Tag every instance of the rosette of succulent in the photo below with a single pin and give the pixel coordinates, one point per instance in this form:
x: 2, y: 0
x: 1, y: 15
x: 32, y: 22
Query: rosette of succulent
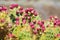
x: 13, y: 22
x: 18, y: 20
x: 24, y: 20
x: 32, y: 17
x: 26, y: 24
x: 3, y: 22
x: 52, y: 30
x: 37, y: 28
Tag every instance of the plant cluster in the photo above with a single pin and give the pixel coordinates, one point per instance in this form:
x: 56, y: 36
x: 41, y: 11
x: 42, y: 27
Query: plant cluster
x: 18, y: 23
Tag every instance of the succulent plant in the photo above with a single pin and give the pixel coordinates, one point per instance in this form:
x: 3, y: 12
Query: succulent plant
x: 24, y: 35
x: 19, y: 23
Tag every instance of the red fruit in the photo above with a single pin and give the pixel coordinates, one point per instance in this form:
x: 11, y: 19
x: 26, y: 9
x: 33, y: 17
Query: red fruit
x: 55, y: 22
x: 14, y: 5
x: 4, y: 8
x: 34, y: 21
x: 17, y: 12
x: 21, y: 11
x: 17, y: 22
x: 58, y: 23
x: 26, y: 15
x: 30, y: 9
x: 35, y: 13
x: 51, y: 17
x: 58, y: 35
x: 27, y: 10
x: 23, y: 18
x: 11, y: 7
x: 40, y: 23
x: 17, y: 19
x: 33, y: 27
x: 24, y: 21
x: 43, y: 28
x: 10, y: 35
x: 29, y: 17
x: 31, y: 24
x: 21, y: 8
x: 38, y: 28
x: 35, y: 31
x: 58, y: 20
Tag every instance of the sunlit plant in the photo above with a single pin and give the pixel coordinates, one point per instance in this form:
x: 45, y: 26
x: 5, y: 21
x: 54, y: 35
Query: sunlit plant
x: 20, y: 23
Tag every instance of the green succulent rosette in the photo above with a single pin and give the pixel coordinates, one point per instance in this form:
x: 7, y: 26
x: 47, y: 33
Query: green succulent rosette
x: 24, y: 35
x: 50, y: 33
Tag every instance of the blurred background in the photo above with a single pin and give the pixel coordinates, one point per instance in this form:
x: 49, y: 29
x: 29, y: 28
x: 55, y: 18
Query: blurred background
x: 44, y: 7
